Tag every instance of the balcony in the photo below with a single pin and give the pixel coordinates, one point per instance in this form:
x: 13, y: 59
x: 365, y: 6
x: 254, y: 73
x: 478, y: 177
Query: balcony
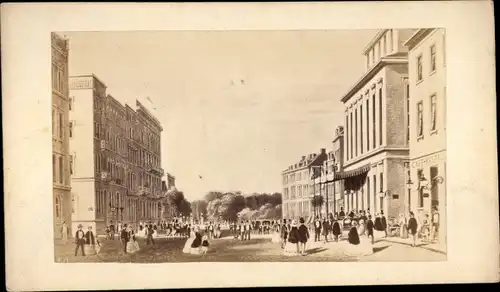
x: 143, y: 191
x: 157, y: 170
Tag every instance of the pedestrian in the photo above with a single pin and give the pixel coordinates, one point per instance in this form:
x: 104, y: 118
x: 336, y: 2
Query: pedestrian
x: 341, y: 213
x: 384, y: 222
x: 336, y: 229
x: 303, y: 236
x: 317, y: 229
x: 124, y: 238
x: 425, y: 230
x: 204, y: 244
x: 248, y: 229
x: 325, y: 229
x: 112, y: 230
x: 284, y: 233
x: 412, y: 229
x: 292, y: 245
x: 108, y: 232
x: 369, y: 228
x: 403, y: 230
x: 435, y: 223
x: 80, y: 240
x: 90, y: 242
x: 64, y: 232
x: 150, y: 233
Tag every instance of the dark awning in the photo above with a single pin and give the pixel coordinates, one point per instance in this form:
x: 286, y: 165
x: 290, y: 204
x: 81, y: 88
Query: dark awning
x: 352, y: 173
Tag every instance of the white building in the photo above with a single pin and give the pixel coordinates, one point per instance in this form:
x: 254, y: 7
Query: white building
x: 427, y: 85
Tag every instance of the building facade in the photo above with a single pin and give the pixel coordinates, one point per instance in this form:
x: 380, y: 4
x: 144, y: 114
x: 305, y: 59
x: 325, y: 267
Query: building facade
x: 426, y: 170
x: 115, y: 158
x: 61, y: 182
x: 376, y: 143
x: 297, y: 184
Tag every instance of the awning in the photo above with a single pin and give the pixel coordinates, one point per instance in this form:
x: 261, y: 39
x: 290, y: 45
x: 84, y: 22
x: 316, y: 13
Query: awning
x: 352, y: 173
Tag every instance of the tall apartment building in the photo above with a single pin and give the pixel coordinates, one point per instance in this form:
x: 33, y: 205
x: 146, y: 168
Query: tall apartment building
x: 426, y: 170
x: 376, y: 140
x: 61, y: 182
x: 115, y: 157
x: 296, y: 186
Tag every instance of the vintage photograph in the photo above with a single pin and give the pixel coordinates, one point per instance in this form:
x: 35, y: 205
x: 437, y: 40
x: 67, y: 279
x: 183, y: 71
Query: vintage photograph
x: 249, y: 146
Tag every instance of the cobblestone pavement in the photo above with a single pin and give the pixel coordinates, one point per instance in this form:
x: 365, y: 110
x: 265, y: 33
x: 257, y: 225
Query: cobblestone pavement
x: 257, y: 249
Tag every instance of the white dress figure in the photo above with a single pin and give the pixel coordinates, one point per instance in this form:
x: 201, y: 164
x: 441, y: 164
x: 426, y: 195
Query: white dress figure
x: 276, y: 235
x: 189, y: 241
x: 132, y: 245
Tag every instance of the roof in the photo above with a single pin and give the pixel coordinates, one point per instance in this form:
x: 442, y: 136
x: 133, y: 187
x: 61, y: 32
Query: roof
x: 374, y: 40
x: 417, y: 37
x: 92, y: 75
x: 398, y: 58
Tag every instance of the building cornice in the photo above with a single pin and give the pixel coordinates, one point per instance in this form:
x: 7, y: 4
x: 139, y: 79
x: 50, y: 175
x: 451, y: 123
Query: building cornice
x: 375, y: 39
x: 388, y: 60
x: 417, y: 37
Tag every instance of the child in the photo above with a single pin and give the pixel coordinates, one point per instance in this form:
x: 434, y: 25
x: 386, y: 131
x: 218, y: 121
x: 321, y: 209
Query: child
x: 204, y: 244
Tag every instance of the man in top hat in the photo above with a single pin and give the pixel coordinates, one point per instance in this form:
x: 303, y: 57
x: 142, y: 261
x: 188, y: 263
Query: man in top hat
x: 80, y: 240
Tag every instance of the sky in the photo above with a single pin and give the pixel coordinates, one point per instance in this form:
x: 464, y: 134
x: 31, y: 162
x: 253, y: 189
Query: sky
x: 237, y: 107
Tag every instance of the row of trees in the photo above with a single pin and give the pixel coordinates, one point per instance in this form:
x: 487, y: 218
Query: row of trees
x: 175, y: 204
x: 231, y: 205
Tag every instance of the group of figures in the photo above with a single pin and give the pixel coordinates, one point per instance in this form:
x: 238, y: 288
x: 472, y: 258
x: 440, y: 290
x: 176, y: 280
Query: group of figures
x: 197, y: 243
x: 86, y: 241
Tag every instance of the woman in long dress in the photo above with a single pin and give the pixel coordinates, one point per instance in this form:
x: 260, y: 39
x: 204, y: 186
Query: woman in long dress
x: 189, y: 241
x: 132, y: 245
x: 378, y: 227
x: 292, y: 245
x: 353, y: 245
x: 403, y: 231
x: 276, y: 234
x: 365, y: 242
x: 196, y: 245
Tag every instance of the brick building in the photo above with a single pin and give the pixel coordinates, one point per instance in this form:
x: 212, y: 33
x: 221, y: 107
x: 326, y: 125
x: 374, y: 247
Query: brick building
x: 427, y: 86
x: 61, y: 182
x: 115, y: 157
x: 376, y: 140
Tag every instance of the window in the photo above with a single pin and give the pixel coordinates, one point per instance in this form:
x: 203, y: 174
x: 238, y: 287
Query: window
x: 71, y: 164
x: 58, y: 207
x: 54, y: 76
x: 420, y: 119
x: 419, y: 68
x: 368, y: 125
x: 381, y: 182
x: 420, y: 191
x: 356, y: 131
x: 54, y: 162
x: 61, y: 126
x: 73, y: 203
x: 380, y: 134
x: 407, y: 97
x: 373, y: 118
x: 71, y: 129
x: 368, y: 192
x: 433, y: 58
x: 361, y: 128
x: 409, y: 192
x: 395, y: 197
x: 434, y: 187
x: 347, y: 140
x: 374, y: 193
x: 433, y: 112
x: 61, y: 170
x: 350, y: 134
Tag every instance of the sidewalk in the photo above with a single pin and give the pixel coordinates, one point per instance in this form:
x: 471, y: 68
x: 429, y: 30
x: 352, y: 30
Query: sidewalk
x: 432, y: 246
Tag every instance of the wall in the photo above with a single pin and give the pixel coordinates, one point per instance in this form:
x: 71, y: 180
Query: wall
x: 395, y: 110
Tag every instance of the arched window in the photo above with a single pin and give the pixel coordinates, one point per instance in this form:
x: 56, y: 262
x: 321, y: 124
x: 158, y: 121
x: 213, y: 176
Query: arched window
x: 61, y: 170
x: 58, y: 207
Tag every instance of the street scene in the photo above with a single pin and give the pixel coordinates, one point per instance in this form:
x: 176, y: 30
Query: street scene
x: 249, y: 146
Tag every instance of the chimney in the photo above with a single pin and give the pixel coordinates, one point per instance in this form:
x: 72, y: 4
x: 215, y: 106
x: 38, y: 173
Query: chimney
x: 323, y: 150
x: 303, y: 158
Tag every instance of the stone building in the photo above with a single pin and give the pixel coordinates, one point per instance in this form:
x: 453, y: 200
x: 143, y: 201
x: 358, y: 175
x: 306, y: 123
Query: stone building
x: 376, y: 141
x: 297, y: 186
x: 61, y: 182
x: 115, y: 157
x: 426, y: 170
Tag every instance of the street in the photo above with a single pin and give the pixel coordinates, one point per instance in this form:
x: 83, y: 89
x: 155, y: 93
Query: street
x: 257, y: 249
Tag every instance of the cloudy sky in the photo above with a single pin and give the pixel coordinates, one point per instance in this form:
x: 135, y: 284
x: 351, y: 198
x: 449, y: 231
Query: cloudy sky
x: 237, y: 107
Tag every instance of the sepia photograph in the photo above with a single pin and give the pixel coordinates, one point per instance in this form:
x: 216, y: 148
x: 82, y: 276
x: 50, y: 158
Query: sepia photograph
x: 300, y: 145
x: 249, y: 144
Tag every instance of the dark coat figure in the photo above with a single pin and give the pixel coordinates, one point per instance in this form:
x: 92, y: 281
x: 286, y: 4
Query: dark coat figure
x: 80, y: 241
x: 112, y: 231
x: 342, y: 214
x: 293, y: 237
x: 378, y: 224
x: 197, y: 240
x: 317, y: 230
x: 124, y: 237
x: 383, y: 221
x: 326, y: 228
x: 149, y: 237
x: 412, y: 226
x: 89, y: 238
x: 284, y: 232
x: 369, y: 227
x: 353, y: 236
x: 303, y: 233
x: 336, y: 228
x: 351, y: 214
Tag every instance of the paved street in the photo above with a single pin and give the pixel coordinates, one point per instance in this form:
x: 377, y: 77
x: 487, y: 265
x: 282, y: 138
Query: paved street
x: 259, y: 248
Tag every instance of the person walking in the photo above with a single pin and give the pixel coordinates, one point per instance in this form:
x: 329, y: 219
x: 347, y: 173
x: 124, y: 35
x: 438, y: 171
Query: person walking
x: 303, y: 236
x: 64, y: 232
x: 317, y: 229
x: 150, y: 233
x: 124, y: 238
x: 384, y: 222
x: 80, y: 240
x: 412, y: 229
x: 369, y: 228
x: 336, y: 229
x: 112, y: 230
x: 435, y: 224
x: 284, y: 234
x: 325, y: 229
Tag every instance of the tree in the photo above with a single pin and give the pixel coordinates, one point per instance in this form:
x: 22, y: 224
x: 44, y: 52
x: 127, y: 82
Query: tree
x: 317, y: 201
x: 198, y: 208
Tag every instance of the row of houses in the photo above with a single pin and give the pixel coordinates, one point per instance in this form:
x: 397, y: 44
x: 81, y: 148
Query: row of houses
x: 390, y: 154
x: 106, y: 156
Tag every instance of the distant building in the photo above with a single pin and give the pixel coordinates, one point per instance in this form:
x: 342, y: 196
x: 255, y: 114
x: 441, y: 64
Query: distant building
x: 61, y: 182
x: 116, y: 157
x: 376, y: 140
x: 427, y: 86
x: 170, y: 181
x: 296, y: 186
